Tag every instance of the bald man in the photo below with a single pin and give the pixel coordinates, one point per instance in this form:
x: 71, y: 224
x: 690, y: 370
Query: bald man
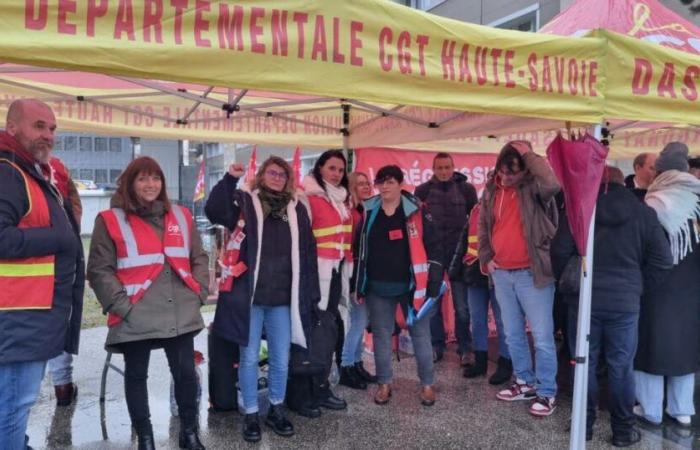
x: 41, y: 266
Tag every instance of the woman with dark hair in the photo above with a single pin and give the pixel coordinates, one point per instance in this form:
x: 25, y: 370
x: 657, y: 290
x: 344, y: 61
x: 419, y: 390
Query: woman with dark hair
x: 269, y: 280
x: 327, y: 194
x: 398, y: 265
x: 150, y: 274
x: 352, y: 371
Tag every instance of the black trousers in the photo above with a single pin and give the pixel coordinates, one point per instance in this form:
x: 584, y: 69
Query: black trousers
x: 180, y: 353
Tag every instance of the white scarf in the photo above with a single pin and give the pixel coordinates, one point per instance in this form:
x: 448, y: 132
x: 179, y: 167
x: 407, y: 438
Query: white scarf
x: 338, y: 195
x: 674, y: 197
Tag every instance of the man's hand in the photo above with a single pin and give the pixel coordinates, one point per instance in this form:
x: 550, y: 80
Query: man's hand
x: 491, y: 266
x: 236, y: 170
x: 521, y: 146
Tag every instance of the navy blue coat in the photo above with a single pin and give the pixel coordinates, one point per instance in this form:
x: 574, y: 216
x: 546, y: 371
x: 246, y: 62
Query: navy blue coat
x: 36, y: 335
x: 232, y: 318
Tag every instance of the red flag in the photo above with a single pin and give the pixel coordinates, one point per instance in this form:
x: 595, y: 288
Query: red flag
x: 200, y: 187
x: 296, y: 165
x: 252, y: 166
x: 579, y: 167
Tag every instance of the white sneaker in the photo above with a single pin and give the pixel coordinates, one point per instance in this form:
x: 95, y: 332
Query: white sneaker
x: 638, y: 411
x: 682, y: 420
x: 518, y: 390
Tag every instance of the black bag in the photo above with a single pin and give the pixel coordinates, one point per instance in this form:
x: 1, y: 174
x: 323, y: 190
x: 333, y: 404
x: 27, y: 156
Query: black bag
x: 223, y: 373
x: 570, y: 280
x: 320, y: 347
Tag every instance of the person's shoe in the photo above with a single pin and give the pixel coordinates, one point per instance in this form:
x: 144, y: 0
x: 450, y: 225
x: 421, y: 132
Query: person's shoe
x: 438, y: 354
x: 628, y: 439
x: 65, y: 394
x: 277, y: 420
x: 464, y: 360
x: 383, y: 394
x: 350, y: 378
x: 503, y: 372
x: 543, y: 406
x: 189, y: 439
x: 251, y: 428
x: 518, y: 390
x: 427, y: 396
x: 479, y: 367
x: 332, y: 402
x: 368, y: 377
x: 682, y: 420
x: 641, y: 417
x: 145, y: 441
x: 310, y: 411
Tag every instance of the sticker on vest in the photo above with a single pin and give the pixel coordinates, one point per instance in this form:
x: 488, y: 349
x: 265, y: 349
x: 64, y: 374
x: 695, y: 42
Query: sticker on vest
x: 238, y: 269
x: 412, y: 230
x: 395, y: 234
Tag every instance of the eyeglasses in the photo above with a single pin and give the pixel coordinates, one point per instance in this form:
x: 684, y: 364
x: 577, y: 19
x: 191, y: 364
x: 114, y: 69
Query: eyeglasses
x: 275, y: 174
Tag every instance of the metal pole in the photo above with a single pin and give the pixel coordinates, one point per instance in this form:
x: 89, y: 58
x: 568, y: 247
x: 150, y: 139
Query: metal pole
x: 577, y: 439
x: 346, y: 128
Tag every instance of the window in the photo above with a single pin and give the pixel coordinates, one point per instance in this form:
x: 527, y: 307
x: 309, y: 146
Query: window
x: 101, y: 176
x: 86, y: 174
x: 115, y: 144
x: 114, y: 175
x: 100, y: 144
x: 70, y: 144
x: 427, y: 5
x: 527, y: 19
x: 74, y: 174
x: 58, y: 144
x: 85, y: 144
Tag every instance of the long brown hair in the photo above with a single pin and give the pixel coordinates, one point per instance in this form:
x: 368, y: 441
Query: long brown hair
x: 352, y: 187
x: 289, y: 187
x: 125, y: 197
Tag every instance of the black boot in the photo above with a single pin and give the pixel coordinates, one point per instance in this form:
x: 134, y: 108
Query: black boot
x: 251, y: 428
x: 277, y: 420
x: 503, y: 372
x: 325, y: 398
x: 146, y: 442
x: 479, y: 367
x: 368, y: 377
x: 351, y: 378
x: 189, y: 439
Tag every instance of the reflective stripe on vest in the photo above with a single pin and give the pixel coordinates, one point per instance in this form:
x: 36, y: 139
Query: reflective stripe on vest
x: 419, y: 257
x: 28, y: 283
x: 333, y: 235
x: 141, y: 254
x: 472, y: 254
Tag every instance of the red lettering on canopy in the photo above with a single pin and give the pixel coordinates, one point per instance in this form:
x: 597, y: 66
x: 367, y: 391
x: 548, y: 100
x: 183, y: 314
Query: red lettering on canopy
x: 230, y: 27
x: 464, y: 71
x: 592, y: 78
x: 256, y: 30
x: 200, y: 23
x: 559, y: 64
x: 495, y: 54
x: 39, y: 22
x: 301, y: 19
x: 385, y: 37
x: 124, y: 22
x: 642, y: 76
x: 404, y: 56
x: 320, y: 45
x: 65, y: 7
x: 337, y: 56
x: 666, y: 82
x: 690, y: 91
x: 508, y: 68
x: 280, y: 43
x: 583, y: 77
x: 546, y: 75
x: 152, y: 19
x: 95, y: 10
x: 573, y: 77
x: 480, y: 64
x: 180, y: 6
x: 532, y: 67
x: 447, y: 57
x: 355, y: 43
x: 422, y: 41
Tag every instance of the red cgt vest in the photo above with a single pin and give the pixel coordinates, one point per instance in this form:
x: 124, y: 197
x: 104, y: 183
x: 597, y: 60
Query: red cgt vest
x: 27, y: 283
x: 141, y: 253
x: 419, y: 265
x: 231, y: 267
x: 333, y: 235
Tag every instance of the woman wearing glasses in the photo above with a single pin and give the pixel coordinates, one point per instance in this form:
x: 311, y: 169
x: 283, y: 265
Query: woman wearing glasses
x: 269, y: 280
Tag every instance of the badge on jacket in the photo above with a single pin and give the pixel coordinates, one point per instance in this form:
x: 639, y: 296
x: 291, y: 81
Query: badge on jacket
x: 395, y: 234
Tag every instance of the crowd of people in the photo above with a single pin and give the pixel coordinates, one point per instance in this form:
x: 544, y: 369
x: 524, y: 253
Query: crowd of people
x: 310, y: 267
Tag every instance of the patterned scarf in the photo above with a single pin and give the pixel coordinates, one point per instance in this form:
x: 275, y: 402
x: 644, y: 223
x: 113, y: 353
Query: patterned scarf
x: 274, y: 203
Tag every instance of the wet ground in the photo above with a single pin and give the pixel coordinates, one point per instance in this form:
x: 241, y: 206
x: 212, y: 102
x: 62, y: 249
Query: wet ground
x: 466, y: 415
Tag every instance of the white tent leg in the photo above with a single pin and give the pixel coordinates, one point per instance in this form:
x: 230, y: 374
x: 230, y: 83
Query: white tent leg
x: 577, y: 439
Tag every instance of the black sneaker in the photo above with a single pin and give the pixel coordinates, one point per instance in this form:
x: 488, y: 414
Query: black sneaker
x: 368, y: 377
x: 351, y: 378
x: 627, y: 439
x: 277, y: 420
x: 251, y: 428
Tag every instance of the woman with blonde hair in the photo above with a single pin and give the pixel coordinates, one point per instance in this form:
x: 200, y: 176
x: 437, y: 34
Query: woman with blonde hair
x: 269, y: 280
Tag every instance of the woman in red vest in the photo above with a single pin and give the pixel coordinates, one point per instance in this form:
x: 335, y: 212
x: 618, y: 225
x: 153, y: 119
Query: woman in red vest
x: 327, y: 191
x: 398, y: 268
x: 150, y: 273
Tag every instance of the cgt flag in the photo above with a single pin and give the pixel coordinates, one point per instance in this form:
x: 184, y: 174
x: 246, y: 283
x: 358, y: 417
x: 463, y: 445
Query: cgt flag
x: 296, y: 165
x: 252, y: 167
x: 200, y: 188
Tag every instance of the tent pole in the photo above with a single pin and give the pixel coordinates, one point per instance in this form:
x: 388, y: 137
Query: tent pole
x: 577, y: 439
x: 346, y: 128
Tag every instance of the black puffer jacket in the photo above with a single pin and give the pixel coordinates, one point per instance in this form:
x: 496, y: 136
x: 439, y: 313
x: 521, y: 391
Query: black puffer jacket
x: 631, y: 251
x: 449, y: 202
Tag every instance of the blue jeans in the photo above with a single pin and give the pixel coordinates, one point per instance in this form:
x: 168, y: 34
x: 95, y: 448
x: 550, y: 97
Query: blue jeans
x: 479, y: 299
x: 615, y: 333
x: 277, y: 323
x: 679, y: 395
x: 20, y: 383
x: 61, y: 369
x: 462, y: 328
x: 519, y: 300
x: 354, y: 338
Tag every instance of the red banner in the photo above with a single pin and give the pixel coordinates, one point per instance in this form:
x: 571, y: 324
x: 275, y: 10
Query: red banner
x: 417, y: 166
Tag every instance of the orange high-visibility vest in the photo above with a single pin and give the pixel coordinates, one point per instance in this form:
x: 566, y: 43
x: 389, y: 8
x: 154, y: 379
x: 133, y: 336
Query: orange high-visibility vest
x: 231, y: 266
x: 419, y: 257
x: 27, y: 283
x: 333, y: 235
x: 141, y: 253
x: 472, y: 254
